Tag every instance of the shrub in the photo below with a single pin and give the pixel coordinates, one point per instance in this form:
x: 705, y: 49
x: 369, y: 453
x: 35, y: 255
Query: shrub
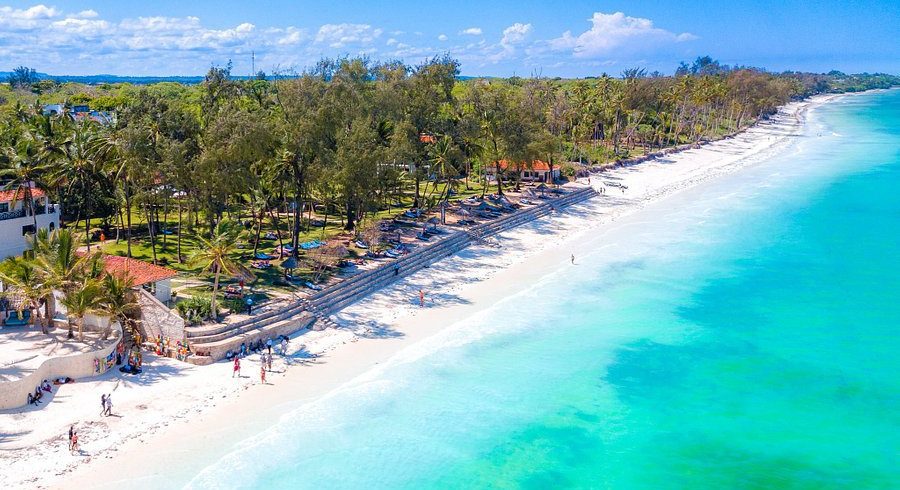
x: 233, y: 305
x: 194, y: 309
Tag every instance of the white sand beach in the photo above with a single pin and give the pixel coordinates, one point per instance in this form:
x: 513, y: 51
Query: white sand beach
x: 176, y: 412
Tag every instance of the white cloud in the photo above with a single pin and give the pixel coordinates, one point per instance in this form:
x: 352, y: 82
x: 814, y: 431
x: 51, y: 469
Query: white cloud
x: 616, y: 33
x: 515, y: 34
x: 36, y: 12
x: 80, y: 26
x: 87, y: 14
x: 25, y: 19
x: 80, y: 42
x: 289, y: 36
x: 339, y: 35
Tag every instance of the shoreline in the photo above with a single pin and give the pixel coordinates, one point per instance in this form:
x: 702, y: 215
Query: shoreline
x: 192, y: 415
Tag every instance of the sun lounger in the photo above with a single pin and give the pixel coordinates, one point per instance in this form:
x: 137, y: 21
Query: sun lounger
x: 13, y: 320
x: 314, y: 287
x: 360, y: 244
x: 311, y: 245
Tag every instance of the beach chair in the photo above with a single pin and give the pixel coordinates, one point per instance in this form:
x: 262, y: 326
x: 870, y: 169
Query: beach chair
x: 14, y: 319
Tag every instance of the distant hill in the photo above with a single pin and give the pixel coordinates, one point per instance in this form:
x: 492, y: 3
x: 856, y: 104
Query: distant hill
x: 98, y: 79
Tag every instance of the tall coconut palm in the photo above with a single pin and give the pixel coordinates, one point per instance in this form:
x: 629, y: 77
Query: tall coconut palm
x: 58, y: 260
x: 23, y: 170
x: 80, y: 171
x: 214, y: 255
x: 444, y: 154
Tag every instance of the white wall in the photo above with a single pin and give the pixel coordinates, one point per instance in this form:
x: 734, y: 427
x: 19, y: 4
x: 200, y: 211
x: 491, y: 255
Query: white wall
x: 12, y: 242
x: 164, y: 291
x: 14, y: 394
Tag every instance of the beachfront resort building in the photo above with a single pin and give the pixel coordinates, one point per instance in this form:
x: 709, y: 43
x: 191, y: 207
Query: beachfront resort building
x: 537, y: 171
x: 17, y: 222
x: 155, y: 279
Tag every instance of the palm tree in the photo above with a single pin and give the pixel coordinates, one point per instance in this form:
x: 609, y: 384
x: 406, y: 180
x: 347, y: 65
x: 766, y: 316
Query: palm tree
x: 443, y: 154
x: 80, y: 171
x: 57, y: 259
x: 122, y: 153
x: 24, y: 170
x: 20, y: 275
x: 118, y: 299
x: 84, y: 298
x: 214, y: 254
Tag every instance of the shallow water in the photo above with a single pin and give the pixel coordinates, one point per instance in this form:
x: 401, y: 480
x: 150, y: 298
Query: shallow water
x: 742, y: 334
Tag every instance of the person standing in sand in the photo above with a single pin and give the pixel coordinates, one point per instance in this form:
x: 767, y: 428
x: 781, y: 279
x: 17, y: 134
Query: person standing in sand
x: 102, y: 404
x: 71, y: 435
x: 109, y: 404
x: 573, y: 259
x: 262, y: 372
x: 421, y: 298
x: 237, y: 367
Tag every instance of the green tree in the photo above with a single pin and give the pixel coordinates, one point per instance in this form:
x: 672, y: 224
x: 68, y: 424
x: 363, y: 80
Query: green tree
x: 83, y: 298
x: 214, y: 255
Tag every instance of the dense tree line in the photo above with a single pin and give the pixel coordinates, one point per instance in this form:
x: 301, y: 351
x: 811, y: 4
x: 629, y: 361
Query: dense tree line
x: 350, y: 136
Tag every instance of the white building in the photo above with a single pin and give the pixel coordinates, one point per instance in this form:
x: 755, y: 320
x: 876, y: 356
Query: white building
x: 537, y: 171
x: 16, y: 222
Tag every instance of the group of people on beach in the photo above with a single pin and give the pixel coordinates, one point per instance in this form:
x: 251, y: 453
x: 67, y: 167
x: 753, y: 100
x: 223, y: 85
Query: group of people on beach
x: 35, y: 398
x: 106, y: 405
x: 259, y: 346
x: 265, y: 363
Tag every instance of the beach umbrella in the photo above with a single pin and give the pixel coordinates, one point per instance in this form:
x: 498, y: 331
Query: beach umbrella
x: 290, y: 263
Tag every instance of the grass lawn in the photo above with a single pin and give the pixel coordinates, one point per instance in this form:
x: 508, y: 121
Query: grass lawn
x: 166, y: 244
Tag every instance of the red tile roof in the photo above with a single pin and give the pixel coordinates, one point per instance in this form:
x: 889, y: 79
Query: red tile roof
x: 535, y: 165
x: 140, y: 272
x: 7, y: 196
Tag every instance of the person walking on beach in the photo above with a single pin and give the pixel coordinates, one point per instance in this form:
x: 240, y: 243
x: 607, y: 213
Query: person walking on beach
x: 103, y: 404
x: 73, y: 444
x: 421, y: 299
x: 283, y: 346
x: 237, y: 367
x: 109, y: 404
x: 71, y: 435
x: 262, y: 372
x: 573, y: 259
x: 269, y: 345
x: 269, y: 362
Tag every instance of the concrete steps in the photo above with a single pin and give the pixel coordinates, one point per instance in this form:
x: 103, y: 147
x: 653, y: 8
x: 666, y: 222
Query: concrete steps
x: 314, y: 311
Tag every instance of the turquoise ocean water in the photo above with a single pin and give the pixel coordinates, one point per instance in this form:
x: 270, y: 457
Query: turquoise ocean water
x: 742, y: 334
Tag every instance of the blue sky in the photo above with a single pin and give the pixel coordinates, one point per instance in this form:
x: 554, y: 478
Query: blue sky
x: 570, y: 38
